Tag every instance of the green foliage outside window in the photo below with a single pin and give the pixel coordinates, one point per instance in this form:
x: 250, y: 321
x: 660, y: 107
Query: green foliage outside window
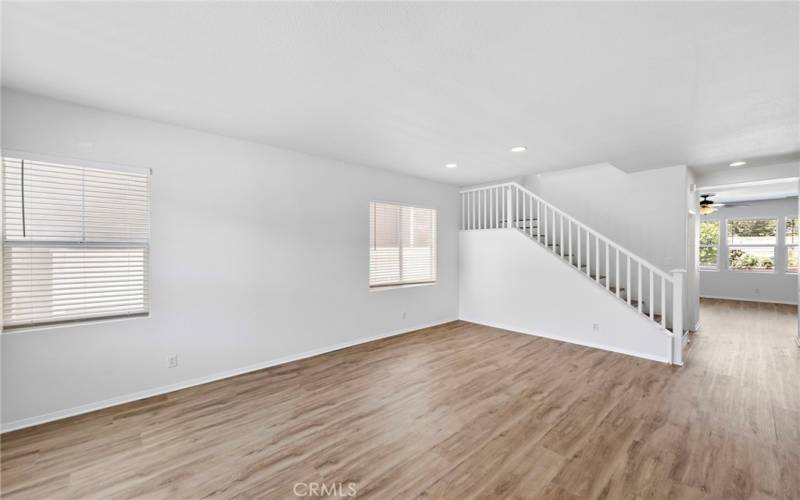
x: 791, y: 260
x: 791, y: 231
x: 740, y: 258
x: 763, y: 231
x: 709, y: 242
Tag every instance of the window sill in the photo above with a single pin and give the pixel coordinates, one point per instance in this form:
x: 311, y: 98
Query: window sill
x: 73, y: 324
x: 395, y: 287
x: 708, y: 269
x: 752, y: 271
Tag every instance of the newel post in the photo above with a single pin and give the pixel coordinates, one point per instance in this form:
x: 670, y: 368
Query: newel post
x: 509, y: 195
x: 677, y: 316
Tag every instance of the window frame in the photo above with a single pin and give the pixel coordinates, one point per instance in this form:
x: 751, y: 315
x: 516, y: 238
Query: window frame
x: 788, y: 246
x: 435, y: 239
x: 80, y: 163
x: 729, y: 246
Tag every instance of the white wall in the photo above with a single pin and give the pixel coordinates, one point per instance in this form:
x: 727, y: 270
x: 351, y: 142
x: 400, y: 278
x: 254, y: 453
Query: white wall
x: 747, y: 174
x: 258, y: 254
x: 643, y: 211
x: 524, y: 288
x: 775, y: 286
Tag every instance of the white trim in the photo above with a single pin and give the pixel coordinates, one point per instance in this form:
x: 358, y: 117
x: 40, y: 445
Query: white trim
x: 748, y: 300
x: 662, y: 359
x: 381, y: 288
x: 157, y: 391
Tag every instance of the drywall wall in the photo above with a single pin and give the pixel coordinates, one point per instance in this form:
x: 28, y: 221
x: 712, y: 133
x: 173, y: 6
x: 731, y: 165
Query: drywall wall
x: 645, y: 212
x: 524, y: 288
x: 777, y: 286
x: 258, y: 255
x: 692, y: 277
x: 642, y: 211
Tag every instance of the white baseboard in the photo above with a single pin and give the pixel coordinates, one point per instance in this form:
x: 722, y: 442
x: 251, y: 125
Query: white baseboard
x: 157, y: 391
x: 664, y: 359
x: 748, y: 300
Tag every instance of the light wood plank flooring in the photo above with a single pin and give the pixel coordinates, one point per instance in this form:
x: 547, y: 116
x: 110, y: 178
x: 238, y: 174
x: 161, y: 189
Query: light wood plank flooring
x: 456, y: 411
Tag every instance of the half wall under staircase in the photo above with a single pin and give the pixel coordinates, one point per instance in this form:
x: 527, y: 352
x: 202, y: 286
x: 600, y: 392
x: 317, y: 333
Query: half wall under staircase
x: 525, y: 265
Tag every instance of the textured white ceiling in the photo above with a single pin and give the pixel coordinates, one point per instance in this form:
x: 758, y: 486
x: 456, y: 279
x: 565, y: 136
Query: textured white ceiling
x: 412, y: 86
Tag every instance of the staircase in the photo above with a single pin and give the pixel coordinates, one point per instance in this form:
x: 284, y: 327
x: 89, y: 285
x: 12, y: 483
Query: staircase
x: 644, y: 288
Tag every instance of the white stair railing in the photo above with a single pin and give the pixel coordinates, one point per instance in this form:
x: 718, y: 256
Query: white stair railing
x: 641, y: 285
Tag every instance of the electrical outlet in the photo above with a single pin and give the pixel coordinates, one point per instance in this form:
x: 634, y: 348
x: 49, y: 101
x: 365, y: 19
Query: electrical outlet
x: 404, y: 315
x: 596, y: 327
x: 172, y: 361
x: 758, y: 291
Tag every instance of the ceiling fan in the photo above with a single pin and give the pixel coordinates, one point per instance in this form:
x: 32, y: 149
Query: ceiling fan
x: 707, y: 206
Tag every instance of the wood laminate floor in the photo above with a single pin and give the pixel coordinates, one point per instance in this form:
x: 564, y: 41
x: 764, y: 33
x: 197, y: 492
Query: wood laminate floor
x: 455, y: 411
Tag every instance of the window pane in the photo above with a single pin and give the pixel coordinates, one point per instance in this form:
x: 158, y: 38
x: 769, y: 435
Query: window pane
x: 56, y: 283
x: 752, y: 232
x: 791, y: 231
x: 384, y: 244
x: 384, y: 225
x: 708, y: 256
x: 418, y: 240
x: 709, y: 232
x: 751, y: 258
x: 792, y: 259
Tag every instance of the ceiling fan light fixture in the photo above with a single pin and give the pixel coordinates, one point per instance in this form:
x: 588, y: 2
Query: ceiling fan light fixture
x: 707, y: 209
x: 706, y: 205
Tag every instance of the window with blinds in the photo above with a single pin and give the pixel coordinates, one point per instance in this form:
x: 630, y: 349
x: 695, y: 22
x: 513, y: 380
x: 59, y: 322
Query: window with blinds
x: 75, y: 243
x: 402, y: 245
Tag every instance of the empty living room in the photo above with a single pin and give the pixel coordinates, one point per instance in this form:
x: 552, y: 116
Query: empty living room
x: 299, y: 250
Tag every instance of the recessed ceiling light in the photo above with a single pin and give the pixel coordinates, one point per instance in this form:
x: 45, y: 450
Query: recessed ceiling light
x: 738, y: 164
x: 451, y: 165
x: 518, y: 149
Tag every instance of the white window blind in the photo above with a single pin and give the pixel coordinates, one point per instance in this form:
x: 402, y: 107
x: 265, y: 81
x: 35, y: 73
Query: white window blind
x: 402, y: 248
x: 75, y: 243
